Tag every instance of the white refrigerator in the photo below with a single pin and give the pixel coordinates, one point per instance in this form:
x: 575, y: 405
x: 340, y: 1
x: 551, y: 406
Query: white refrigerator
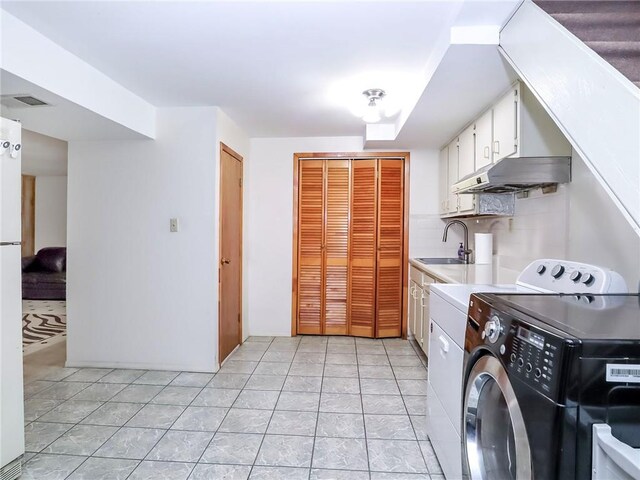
x: 11, y: 383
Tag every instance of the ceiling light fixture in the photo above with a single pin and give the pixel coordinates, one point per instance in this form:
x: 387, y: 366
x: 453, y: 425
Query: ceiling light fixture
x: 372, y: 113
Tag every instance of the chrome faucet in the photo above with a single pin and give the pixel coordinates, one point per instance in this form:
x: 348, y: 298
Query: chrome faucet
x: 465, y: 246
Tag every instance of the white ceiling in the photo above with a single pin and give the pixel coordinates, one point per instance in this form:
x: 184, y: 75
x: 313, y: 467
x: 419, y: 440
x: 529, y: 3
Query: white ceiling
x: 270, y: 65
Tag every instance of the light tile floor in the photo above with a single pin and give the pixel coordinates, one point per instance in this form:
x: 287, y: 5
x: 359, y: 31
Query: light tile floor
x: 280, y: 408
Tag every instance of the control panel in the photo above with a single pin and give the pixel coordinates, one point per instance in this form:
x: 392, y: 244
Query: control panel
x: 563, y: 276
x: 528, y: 353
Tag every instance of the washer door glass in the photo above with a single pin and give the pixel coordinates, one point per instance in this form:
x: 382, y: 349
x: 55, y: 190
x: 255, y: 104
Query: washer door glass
x: 496, y: 443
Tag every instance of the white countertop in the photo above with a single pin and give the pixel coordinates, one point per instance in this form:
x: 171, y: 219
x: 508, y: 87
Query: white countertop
x: 471, y: 273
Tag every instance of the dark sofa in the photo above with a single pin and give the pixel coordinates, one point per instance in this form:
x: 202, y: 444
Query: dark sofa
x: 44, y: 275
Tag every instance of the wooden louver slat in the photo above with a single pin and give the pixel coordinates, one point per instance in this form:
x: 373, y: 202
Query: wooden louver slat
x: 310, y: 275
x: 362, y: 260
x: 336, y: 234
x: 390, y: 248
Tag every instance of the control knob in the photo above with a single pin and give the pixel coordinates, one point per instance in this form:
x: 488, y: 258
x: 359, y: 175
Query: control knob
x: 575, y: 276
x: 541, y: 269
x: 557, y: 271
x: 588, y: 279
x: 492, y: 329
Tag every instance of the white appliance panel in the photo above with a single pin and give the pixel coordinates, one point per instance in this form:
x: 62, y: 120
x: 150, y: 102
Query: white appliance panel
x: 10, y: 184
x: 445, y: 363
x: 11, y: 390
x: 445, y: 440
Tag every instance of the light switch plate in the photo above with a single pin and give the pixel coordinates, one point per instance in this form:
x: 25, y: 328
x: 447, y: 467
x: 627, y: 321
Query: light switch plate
x: 173, y: 225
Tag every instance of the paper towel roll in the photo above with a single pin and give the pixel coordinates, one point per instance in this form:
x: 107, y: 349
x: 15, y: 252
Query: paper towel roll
x: 484, y: 248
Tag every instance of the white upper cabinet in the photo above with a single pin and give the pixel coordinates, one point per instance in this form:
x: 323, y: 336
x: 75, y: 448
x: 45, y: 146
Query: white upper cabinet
x: 443, y: 186
x: 466, y: 164
x: 484, y: 136
x: 505, y: 126
x: 453, y: 175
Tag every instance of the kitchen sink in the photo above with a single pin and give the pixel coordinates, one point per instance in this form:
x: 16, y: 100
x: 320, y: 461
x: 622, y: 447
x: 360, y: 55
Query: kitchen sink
x: 441, y: 261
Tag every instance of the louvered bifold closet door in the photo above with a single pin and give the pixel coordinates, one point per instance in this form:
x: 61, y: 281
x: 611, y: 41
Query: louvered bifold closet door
x: 310, y: 241
x: 362, y: 264
x: 390, y: 248
x: 336, y: 234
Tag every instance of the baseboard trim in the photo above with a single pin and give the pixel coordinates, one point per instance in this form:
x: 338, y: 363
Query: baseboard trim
x: 142, y: 366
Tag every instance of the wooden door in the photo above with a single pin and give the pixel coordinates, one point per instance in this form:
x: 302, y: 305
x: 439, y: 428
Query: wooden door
x: 336, y: 251
x: 311, y: 206
x: 230, y: 269
x: 362, y: 260
x: 28, y: 215
x: 389, y: 275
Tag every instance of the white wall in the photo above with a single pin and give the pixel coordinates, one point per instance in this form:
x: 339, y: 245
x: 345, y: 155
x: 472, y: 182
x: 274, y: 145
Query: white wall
x: 51, y: 212
x: 139, y: 296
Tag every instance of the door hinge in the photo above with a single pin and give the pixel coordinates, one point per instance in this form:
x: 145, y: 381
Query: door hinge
x: 239, y: 319
x: 240, y: 182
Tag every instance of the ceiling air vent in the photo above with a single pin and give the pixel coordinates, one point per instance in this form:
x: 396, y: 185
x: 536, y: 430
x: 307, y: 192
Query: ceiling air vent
x: 31, y: 101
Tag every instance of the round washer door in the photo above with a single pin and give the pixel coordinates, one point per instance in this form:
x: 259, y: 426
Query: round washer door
x: 495, y: 442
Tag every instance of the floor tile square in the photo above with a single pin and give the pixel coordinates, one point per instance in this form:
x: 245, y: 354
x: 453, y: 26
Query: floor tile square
x: 50, y: 467
x: 137, y: 393
x: 293, y: 423
x: 340, y: 385
x: 100, y: 392
x: 279, y: 473
x: 413, y: 387
x: 36, y: 386
x: 322, y: 474
x: 340, y: 453
x: 373, y: 360
x: 178, y: 446
x: 401, y: 476
x: 113, y: 413
x: 122, y: 376
x: 405, y: 361
x: 433, y: 465
x: 333, y: 348
x: 302, y: 384
x: 104, y: 469
x: 379, y: 386
x: 71, y: 411
x: 298, y: 401
x: 344, y: 425
x: 375, y: 371
x: 419, y: 423
x: 395, y: 456
x: 149, y: 470
x: 344, y: 371
x: 228, y: 380
x: 285, y: 356
x: 265, y: 382
x: 340, y: 403
x: 36, y: 407
x: 88, y: 375
x: 62, y: 390
x: 272, y: 368
x: 257, y: 399
x: 383, y: 404
x: 309, y: 357
x: 410, y: 373
x: 390, y: 427
x: 238, y: 366
x: 192, y: 379
x: 81, y: 440
x: 248, y: 355
x: 133, y: 443
x: 176, y: 395
x: 156, y: 377
x: 400, y: 350
x: 222, y: 472
x: 201, y: 419
x: 246, y: 421
x: 339, y: 340
x: 38, y: 435
x: 233, y: 448
x: 57, y: 374
x: 261, y: 339
x: 285, y: 451
x: 156, y: 416
x: 307, y: 369
x: 371, y: 350
x: 416, y: 405
x: 341, y: 359
x: 216, y: 397
x: 313, y: 348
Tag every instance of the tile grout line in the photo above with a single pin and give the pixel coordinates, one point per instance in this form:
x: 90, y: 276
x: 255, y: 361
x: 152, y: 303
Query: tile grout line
x: 315, y: 431
x: 364, y: 420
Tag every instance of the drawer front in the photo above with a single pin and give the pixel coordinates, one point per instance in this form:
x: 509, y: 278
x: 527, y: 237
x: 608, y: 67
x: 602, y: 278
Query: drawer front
x: 445, y: 372
x: 449, y: 318
x: 444, y: 438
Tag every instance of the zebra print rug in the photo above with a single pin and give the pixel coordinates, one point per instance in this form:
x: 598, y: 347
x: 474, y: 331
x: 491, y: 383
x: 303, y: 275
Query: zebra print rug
x: 43, y: 323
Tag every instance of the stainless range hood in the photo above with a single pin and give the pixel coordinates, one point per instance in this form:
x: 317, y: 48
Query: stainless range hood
x: 516, y: 174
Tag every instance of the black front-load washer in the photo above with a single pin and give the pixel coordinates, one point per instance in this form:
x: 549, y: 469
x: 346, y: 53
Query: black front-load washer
x: 540, y: 370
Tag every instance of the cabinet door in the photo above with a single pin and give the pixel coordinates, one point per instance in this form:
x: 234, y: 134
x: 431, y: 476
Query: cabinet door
x: 453, y: 176
x: 444, y: 181
x: 362, y: 264
x: 466, y: 162
x: 336, y: 247
x: 390, y: 247
x: 484, y: 135
x: 419, y: 333
x: 310, y: 241
x: 424, y: 306
x: 413, y: 307
x: 505, y: 126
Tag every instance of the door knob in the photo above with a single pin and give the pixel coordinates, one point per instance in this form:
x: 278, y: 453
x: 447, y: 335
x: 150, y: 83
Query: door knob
x: 225, y: 261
